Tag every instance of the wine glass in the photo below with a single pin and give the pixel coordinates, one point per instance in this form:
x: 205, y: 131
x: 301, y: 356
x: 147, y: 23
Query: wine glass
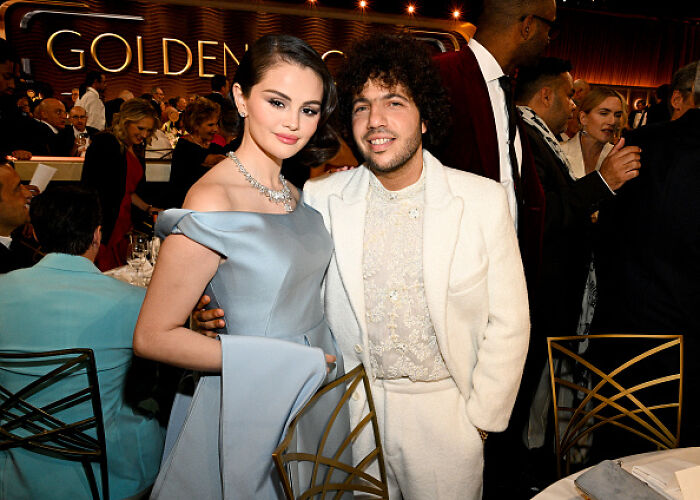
x: 154, y: 248
x: 138, y: 251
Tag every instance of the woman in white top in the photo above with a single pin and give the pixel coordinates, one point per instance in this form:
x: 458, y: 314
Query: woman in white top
x: 601, y: 115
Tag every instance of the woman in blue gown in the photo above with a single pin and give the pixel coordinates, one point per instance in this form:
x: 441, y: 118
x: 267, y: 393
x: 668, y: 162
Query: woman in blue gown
x: 246, y: 238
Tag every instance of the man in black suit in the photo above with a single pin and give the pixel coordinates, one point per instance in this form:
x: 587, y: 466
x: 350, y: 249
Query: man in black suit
x: 648, y: 256
x: 14, y: 212
x: 82, y: 134
x: 47, y: 134
x: 544, y: 93
x: 220, y: 88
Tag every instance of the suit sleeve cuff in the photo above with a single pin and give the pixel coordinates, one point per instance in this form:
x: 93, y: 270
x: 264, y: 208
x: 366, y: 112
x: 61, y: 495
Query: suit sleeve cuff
x: 606, y: 184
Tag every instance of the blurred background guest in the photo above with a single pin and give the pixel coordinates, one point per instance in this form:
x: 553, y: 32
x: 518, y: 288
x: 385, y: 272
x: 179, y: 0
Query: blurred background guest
x: 113, y: 166
x: 67, y: 223
x: 601, y: 115
x: 172, y: 125
x: 638, y: 116
x: 682, y: 90
x: 581, y: 90
x: 91, y: 99
x: 74, y: 96
x: 194, y: 153
x: 14, y: 213
x: 180, y: 103
x: 81, y: 132
x: 220, y: 88
x: 659, y: 110
x: 112, y: 106
x: 24, y: 106
x: 158, y: 97
x: 46, y: 135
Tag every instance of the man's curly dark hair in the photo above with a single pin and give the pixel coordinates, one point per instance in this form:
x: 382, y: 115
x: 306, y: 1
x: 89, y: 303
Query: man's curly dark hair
x: 392, y: 60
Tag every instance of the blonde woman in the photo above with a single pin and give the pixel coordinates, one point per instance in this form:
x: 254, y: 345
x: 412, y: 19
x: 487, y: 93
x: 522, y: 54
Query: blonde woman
x: 601, y: 115
x: 114, y: 168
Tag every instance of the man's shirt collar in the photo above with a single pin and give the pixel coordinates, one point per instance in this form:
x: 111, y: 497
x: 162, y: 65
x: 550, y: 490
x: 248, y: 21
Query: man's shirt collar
x: 487, y: 63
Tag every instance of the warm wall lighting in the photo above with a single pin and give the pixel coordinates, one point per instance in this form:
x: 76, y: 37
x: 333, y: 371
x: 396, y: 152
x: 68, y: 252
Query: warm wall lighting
x: 411, y: 9
x: 362, y: 4
x: 456, y: 14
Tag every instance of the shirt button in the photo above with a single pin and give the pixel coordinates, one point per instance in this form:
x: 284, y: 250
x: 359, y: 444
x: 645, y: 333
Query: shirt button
x: 355, y: 396
x: 358, y: 348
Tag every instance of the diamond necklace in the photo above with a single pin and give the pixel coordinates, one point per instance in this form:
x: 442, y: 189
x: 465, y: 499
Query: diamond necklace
x: 283, y: 196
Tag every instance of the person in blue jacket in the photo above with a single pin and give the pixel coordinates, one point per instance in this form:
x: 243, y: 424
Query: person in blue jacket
x: 65, y: 302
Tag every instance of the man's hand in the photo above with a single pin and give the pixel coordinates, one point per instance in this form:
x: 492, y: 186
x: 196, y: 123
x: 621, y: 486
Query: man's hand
x: 205, y: 321
x: 621, y: 165
x: 33, y: 189
x: 21, y: 154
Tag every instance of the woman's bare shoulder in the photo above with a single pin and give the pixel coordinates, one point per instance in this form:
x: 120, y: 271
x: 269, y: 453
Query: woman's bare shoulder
x: 220, y: 189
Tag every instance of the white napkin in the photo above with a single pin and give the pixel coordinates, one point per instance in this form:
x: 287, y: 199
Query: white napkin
x: 660, y: 475
x: 689, y: 479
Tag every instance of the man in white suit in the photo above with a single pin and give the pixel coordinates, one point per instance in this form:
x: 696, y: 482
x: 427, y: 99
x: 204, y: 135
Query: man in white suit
x: 426, y: 286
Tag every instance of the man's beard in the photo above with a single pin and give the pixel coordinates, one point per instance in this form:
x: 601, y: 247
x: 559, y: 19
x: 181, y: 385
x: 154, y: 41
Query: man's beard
x: 402, y: 157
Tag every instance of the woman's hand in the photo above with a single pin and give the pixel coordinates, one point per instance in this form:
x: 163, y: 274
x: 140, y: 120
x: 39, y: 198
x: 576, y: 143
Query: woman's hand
x: 153, y: 210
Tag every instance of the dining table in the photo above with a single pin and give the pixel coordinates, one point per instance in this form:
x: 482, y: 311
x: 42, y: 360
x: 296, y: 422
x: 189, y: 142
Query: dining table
x: 655, y: 468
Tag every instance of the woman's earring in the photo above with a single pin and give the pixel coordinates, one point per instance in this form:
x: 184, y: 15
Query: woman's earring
x: 242, y: 114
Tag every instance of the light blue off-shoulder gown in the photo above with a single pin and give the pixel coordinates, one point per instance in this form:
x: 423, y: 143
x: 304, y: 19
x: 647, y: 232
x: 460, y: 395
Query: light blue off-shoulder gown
x: 220, y: 442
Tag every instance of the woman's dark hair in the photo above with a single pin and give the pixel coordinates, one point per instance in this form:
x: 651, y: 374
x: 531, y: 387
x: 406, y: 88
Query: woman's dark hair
x: 65, y: 218
x: 393, y: 60
x: 198, y: 111
x: 268, y: 51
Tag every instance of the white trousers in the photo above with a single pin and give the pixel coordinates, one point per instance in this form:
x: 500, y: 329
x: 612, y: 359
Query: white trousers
x: 431, y: 449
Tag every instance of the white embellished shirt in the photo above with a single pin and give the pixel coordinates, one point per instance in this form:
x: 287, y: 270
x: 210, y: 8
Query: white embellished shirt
x: 402, y: 341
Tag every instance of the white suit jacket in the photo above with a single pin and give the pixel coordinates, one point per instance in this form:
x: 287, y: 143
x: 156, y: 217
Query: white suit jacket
x: 473, y: 277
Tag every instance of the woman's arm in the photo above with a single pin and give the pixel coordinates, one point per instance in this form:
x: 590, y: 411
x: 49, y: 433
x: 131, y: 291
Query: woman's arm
x: 138, y: 202
x: 172, y: 294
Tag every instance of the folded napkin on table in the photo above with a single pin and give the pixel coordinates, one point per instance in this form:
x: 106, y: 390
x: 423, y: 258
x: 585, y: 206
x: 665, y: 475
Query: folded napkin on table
x: 609, y: 481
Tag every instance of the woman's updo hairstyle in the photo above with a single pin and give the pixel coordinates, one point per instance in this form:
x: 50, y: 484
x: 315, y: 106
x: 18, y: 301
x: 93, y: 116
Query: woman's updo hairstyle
x: 272, y: 49
x: 199, y: 111
x: 598, y: 95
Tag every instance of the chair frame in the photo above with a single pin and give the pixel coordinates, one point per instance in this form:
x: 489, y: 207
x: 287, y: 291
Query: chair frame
x: 50, y: 434
x: 655, y: 431
x: 371, y: 485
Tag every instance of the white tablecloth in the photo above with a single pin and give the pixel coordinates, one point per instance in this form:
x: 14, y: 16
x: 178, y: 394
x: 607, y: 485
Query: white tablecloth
x: 564, y: 489
x: 128, y: 275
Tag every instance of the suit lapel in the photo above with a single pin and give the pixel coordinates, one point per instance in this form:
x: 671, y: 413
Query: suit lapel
x: 443, y: 214
x: 347, y: 214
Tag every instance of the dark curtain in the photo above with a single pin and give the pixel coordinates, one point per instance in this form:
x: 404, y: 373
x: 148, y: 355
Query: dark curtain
x: 624, y: 50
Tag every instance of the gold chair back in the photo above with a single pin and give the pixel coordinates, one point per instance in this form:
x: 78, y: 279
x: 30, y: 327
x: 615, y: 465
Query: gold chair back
x: 357, y: 477
x: 624, y: 393
x: 33, y: 416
